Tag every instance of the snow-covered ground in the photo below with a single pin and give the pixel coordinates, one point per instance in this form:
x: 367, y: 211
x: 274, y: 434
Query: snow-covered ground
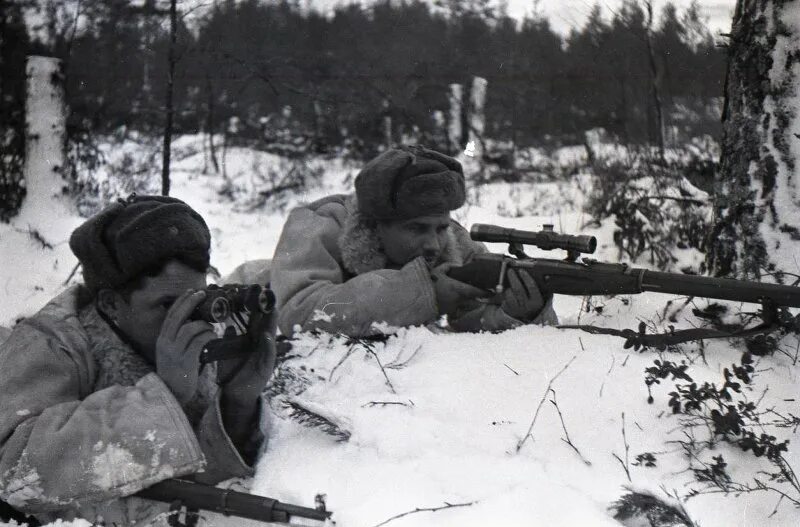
x: 534, y: 426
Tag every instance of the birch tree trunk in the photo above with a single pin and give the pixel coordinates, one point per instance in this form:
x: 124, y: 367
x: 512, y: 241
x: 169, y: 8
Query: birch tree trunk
x: 757, y: 200
x: 45, y: 203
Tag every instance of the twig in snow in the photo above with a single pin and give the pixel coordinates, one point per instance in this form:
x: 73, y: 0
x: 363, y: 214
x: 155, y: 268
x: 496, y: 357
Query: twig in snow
x: 775, y: 511
x: 567, y: 440
x: 613, y: 361
x: 74, y: 270
x: 388, y: 382
x: 671, y: 198
x: 584, y: 300
x: 341, y: 361
x: 388, y: 403
x: 544, y: 397
x: 627, y: 450
x: 603, y: 384
x: 36, y: 236
x: 394, y: 365
x: 427, y: 509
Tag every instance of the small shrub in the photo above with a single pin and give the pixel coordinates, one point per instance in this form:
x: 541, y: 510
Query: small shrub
x: 656, y: 210
x: 273, y: 185
x: 727, y: 418
x: 104, y: 168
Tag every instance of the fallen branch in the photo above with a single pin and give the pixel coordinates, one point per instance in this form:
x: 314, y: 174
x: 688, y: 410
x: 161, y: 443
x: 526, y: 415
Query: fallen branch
x: 394, y: 365
x: 544, y: 398
x: 387, y: 403
x: 36, y: 236
x: 341, y: 361
x: 74, y: 270
x: 568, y: 440
x: 627, y: 450
x: 429, y: 509
x: 693, y: 201
x: 388, y: 382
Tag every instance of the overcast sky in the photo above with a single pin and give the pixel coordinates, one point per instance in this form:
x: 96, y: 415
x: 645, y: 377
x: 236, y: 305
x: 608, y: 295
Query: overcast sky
x: 566, y: 14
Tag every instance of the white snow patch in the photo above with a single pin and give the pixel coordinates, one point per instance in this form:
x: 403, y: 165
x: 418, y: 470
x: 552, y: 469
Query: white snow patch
x: 114, y: 466
x: 460, y: 403
x: 321, y: 316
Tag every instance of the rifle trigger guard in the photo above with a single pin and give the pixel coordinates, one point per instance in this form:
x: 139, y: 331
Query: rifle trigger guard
x: 224, y: 502
x: 769, y: 310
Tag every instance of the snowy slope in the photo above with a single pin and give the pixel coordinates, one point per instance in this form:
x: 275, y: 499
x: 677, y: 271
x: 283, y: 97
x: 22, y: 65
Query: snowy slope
x: 436, y: 419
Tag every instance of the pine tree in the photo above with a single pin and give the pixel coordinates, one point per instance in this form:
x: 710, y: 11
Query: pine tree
x: 758, y: 195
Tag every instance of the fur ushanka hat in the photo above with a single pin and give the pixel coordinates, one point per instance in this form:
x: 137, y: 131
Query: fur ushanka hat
x: 138, y: 234
x: 407, y: 182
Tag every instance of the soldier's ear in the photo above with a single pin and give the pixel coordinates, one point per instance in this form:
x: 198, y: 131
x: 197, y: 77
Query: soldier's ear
x: 107, y: 302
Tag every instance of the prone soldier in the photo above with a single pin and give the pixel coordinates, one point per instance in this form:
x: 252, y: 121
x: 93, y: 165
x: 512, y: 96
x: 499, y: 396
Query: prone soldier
x: 382, y: 254
x: 103, y: 389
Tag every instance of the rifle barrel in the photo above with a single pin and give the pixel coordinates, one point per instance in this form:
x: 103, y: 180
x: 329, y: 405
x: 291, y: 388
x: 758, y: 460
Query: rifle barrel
x: 720, y: 288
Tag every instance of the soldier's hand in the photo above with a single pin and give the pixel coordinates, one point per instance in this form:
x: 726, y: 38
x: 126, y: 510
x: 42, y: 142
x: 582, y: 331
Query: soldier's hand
x: 451, y: 293
x: 246, y: 378
x: 179, y: 345
x: 522, y: 299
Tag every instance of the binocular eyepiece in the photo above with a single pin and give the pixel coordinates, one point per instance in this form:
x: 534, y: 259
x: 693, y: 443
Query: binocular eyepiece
x: 545, y: 239
x: 222, y: 302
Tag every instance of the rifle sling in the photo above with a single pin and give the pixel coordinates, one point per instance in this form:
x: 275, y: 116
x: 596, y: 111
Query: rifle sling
x: 662, y: 340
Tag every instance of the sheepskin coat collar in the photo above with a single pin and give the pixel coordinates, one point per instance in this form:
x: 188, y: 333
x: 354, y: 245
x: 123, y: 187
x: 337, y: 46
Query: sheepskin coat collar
x: 361, y: 247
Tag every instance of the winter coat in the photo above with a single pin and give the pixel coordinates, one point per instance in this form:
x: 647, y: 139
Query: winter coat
x: 84, y: 421
x: 329, y: 273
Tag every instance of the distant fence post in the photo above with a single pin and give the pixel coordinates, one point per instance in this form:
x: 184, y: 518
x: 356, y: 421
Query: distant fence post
x: 319, y: 126
x: 387, y: 131
x: 477, y: 117
x: 454, y: 130
x: 386, y: 123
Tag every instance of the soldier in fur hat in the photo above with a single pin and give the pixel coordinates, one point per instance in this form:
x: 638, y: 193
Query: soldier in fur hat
x: 381, y: 254
x: 102, y: 390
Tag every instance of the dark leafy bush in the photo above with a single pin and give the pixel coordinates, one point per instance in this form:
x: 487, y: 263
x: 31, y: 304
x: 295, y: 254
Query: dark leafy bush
x: 655, y: 209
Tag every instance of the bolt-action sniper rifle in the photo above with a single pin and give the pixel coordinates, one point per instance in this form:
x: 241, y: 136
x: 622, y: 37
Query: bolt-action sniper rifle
x: 196, y: 496
x: 589, y: 277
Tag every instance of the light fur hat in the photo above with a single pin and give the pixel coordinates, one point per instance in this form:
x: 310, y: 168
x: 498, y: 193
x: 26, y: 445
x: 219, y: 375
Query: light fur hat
x: 407, y: 182
x: 137, y: 235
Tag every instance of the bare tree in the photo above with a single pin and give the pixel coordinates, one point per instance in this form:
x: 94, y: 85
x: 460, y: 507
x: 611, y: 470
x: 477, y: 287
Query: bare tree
x: 655, y: 78
x: 168, y: 104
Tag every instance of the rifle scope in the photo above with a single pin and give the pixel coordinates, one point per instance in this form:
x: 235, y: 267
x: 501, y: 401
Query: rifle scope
x: 545, y: 239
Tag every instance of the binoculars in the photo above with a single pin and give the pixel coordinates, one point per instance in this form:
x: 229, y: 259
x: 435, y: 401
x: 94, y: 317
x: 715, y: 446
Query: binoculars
x: 222, y: 302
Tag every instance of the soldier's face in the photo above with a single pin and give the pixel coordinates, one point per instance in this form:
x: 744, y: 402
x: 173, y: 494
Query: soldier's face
x: 141, y: 316
x: 404, y: 240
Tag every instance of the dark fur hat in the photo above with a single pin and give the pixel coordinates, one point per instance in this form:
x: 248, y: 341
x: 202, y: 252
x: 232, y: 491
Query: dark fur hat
x: 135, y: 235
x: 409, y: 182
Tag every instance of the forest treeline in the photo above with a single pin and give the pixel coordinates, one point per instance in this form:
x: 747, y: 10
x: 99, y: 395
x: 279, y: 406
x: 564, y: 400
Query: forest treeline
x: 344, y: 72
